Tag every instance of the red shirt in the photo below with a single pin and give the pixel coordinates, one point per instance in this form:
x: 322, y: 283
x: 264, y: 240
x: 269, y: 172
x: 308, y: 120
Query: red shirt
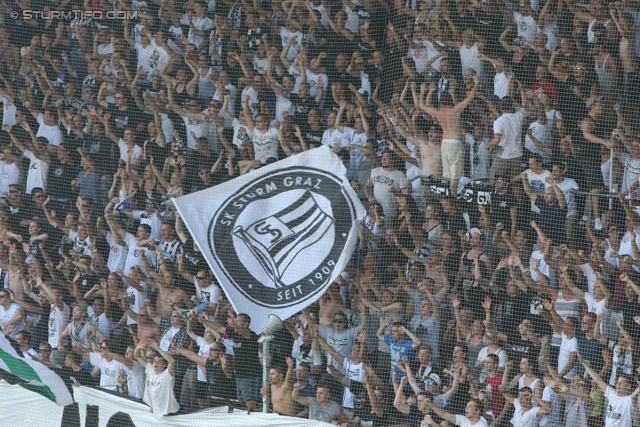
x: 497, y: 400
x: 548, y: 87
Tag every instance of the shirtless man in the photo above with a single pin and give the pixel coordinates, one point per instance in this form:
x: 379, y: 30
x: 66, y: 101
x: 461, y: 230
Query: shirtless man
x: 281, y: 388
x: 448, y: 115
x: 330, y: 303
x: 168, y: 291
x: 627, y: 29
x: 147, y: 327
x: 430, y: 152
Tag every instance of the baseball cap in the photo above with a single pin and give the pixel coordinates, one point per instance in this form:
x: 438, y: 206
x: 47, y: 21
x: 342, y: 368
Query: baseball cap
x: 592, y: 100
x: 435, y: 378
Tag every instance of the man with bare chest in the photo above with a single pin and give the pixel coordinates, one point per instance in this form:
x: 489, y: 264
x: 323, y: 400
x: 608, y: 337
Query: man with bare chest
x: 448, y: 116
x: 146, y: 327
x: 281, y: 388
x: 169, y: 292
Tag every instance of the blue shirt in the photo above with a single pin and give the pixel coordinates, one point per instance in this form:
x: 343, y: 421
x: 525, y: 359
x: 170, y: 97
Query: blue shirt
x: 590, y: 350
x: 398, y: 350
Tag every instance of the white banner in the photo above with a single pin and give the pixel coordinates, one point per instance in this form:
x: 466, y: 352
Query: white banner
x: 38, y: 378
x: 277, y: 237
x: 22, y: 408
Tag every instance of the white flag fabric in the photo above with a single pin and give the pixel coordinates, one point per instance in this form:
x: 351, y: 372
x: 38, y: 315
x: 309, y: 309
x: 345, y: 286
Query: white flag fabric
x: 277, y: 237
x: 38, y: 378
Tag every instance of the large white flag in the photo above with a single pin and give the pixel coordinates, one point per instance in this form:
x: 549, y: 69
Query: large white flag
x: 36, y: 376
x: 277, y: 237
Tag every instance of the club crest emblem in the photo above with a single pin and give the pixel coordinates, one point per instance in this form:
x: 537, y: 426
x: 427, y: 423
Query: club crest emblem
x: 278, y: 238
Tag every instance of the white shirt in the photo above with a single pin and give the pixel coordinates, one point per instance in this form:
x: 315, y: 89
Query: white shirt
x: 52, y: 133
x: 286, y: 35
x: 117, y: 254
x: 58, y: 321
x: 567, y: 347
x: 195, y: 126
x: 37, y: 175
x: 568, y: 186
x: 334, y: 139
x: 354, y: 373
x: 359, y: 139
x: 109, y: 371
x: 8, y: 112
x: 124, y: 148
x: 203, y: 351
x: 527, y: 26
x: 253, y: 100
x: 463, y: 421
x: 539, y: 133
x: 158, y: 392
x: 201, y: 24
x: 154, y: 221
x: 9, y: 175
x: 509, y: 126
x: 500, y: 85
x: 134, y: 254
x: 144, y: 56
x: 159, y: 58
x: 241, y: 136
x: 619, y: 409
x: 524, y: 419
x: 265, y: 145
x: 469, y: 59
x: 382, y: 182
x: 7, y: 315
x: 135, y: 299
x: 421, y: 52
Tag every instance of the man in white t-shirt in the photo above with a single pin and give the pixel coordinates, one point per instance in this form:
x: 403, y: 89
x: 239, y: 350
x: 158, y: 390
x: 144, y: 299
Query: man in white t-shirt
x: 536, y: 175
x: 110, y: 369
x: 472, y: 414
x: 507, y: 130
x: 355, y: 136
x: 199, y: 25
x: 48, y: 121
x: 525, y: 414
x: 59, y: 314
x: 9, y: 170
x: 382, y: 181
x: 621, y: 401
x: 137, y: 249
x: 207, y: 292
x: 129, y: 150
x: 39, y: 163
x: 266, y: 140
x: 568, y: 187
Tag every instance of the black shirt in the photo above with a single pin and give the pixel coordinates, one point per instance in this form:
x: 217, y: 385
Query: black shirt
x: 122, y: 119
x: 219, y: 384
x: 311, y: 136
x: 501, y: 205
x: 454, y: 222
x: 301, y: 108
x: 59, y: 178
x: 551, y: 220
x: 247, y: 362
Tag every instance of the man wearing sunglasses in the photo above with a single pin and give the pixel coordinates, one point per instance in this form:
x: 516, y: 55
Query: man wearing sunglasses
x: 339, y: 336
x: 217, y: 368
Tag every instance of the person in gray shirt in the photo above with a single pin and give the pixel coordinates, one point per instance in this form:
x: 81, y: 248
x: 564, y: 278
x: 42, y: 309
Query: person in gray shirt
x: 321, y: 407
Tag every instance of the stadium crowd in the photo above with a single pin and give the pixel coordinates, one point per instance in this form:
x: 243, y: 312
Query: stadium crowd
x: 495, y: 145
